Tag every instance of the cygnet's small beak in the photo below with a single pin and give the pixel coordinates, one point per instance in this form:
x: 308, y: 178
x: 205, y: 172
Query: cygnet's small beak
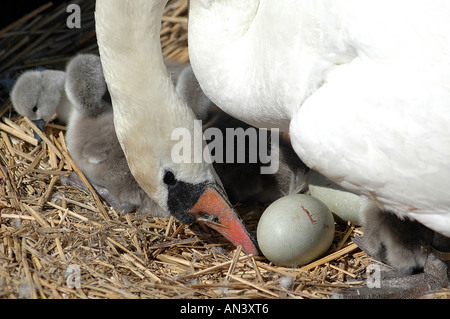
x: 214, y: 208
x: 41, y: 125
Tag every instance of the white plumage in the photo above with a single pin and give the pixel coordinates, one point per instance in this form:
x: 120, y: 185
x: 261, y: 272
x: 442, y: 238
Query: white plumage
x: 362, y: 87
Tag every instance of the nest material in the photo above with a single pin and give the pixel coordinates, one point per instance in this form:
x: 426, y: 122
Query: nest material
x: 50, y: 233
x: 48, y: 229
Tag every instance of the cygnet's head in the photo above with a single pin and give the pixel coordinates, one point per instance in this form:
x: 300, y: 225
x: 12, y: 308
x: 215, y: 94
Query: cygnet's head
x: 85, y: 85
x: 37, y: 95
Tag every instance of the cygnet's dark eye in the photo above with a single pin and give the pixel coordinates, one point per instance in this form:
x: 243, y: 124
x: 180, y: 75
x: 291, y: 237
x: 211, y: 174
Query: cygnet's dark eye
x: 35, y: 109
x: 169, y: 178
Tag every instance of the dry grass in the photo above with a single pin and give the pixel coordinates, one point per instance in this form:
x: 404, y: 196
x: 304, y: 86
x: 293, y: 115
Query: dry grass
x: 48, y: 229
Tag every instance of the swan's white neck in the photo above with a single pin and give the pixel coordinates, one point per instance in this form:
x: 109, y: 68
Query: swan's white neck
x: 146, y: 106
x: 128, y: 36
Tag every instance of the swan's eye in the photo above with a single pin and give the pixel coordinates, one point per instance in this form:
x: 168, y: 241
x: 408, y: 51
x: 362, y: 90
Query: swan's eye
x: 35, y: 109
x: 169, y: 178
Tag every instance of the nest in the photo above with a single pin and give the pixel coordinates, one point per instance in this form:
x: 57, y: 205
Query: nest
x: 57, y: 241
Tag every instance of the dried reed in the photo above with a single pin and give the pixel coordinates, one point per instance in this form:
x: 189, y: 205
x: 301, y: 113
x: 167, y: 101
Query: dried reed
x: 48, y: 228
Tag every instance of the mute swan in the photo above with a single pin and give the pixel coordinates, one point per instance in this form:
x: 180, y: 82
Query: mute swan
x: 147, y: 110
x: 364, y: 101
x: 362, y: 87
x: 39, y: 95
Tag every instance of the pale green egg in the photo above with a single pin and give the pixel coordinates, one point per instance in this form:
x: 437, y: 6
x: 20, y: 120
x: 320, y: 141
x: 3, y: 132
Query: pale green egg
x: 295, y: 230
x: 340, y: 201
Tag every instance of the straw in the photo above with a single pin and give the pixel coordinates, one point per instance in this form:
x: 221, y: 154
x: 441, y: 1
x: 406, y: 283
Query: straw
x: 47, y: 227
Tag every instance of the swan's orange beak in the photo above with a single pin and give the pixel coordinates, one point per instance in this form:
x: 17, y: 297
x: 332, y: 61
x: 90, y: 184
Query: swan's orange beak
x: 216, y: 211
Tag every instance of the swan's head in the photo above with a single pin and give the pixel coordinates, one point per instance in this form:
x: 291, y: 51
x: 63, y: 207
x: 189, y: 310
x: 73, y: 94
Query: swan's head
x: 38, y: 94
x: 150, y: 117
x: 85, y: 85
x: 190, y: 191
x: 205, y: 200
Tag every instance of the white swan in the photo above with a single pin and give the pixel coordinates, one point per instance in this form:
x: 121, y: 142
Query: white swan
x: 147, y: 110
x: 363, y: 88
